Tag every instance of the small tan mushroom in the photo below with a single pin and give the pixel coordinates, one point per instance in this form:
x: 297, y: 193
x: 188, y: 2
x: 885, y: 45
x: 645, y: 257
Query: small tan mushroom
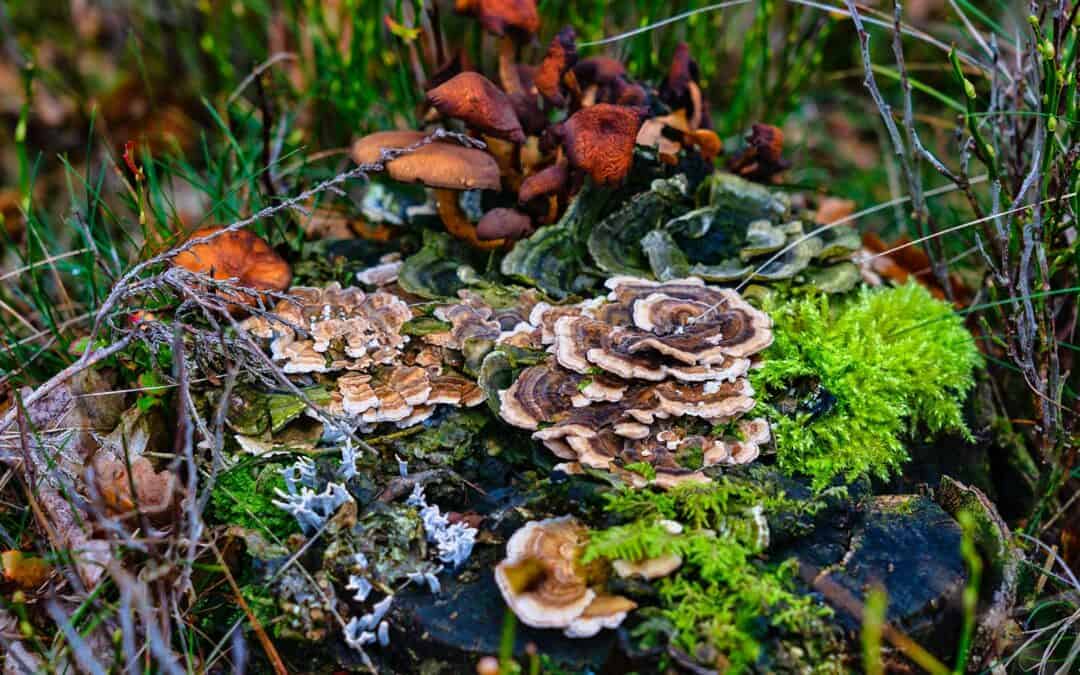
x: 155, y: 492
x: 544, y: 583
x: 473, y: 99
x: 438, y: 164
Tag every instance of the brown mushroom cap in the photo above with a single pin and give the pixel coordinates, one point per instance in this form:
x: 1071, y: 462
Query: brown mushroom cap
x: 155, y: 491
x: 476, y: 101
x: 503, y: 224
x: 561, y: 56
x: 762, y: 159
x: 500, y: 16
x: 238, y: 254
x: 600, y: 141
x: 547, y: 181
x: 437, y: 164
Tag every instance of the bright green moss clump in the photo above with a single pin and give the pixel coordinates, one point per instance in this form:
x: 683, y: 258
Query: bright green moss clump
x: 244, y: 496
x: 896, y: 360
x: 723, y: 602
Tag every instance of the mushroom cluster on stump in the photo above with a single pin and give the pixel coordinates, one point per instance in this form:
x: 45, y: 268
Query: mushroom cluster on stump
x: 627, y: 372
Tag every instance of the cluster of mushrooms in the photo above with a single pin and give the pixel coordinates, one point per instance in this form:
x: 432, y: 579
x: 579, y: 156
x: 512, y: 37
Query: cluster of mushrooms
x: 629, y: 370
x: 530, y: 166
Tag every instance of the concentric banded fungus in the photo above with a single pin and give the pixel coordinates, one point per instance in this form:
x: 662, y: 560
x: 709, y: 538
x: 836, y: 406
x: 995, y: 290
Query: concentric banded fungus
x: 344, y: 329
x: 239, y: 254
x: 476, y: 101
x: 438, y: 164
x: 629, y: 372
x: 599, y: 140
x: 386, y: 378
x: 544, y: 583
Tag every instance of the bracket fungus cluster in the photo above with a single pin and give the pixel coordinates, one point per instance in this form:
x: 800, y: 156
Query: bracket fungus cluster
x: 655, y: 374
x: 545, y: 584
x: 357, y: 338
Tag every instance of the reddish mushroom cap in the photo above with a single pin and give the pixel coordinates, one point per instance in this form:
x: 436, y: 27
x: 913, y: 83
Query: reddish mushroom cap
x: 500, y: 16
x: 600, y: 141
x: 544, y: 182
x: 239, y: 254
x: 476, y: 101
x: 503, y: 224
x: 561, y: 57
x: 681, y: 73
x: 762, y: 158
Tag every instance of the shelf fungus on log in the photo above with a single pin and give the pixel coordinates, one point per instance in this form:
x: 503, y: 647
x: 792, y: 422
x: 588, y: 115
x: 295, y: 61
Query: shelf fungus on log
x: 359, y: 342
x: 545, y: 584
x: 654, y: 374
x: 318, y: 330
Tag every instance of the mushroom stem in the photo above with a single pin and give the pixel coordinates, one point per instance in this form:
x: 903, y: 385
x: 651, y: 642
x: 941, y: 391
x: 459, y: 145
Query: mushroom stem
x: 508, y: 75
x: 457, y: 223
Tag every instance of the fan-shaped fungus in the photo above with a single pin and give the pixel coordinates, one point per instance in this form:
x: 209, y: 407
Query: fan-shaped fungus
x: 544, y: 583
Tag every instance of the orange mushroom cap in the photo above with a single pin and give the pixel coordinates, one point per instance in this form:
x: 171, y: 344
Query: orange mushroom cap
x: 561, y: 57
x: 500, y: 16
x: 600, y: 141
x: 238, y: 254
x: 476, y: 101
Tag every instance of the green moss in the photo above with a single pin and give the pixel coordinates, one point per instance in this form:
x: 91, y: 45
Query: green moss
x: 723, y: 603
x: 244, y: 495
x: 896, y: 361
